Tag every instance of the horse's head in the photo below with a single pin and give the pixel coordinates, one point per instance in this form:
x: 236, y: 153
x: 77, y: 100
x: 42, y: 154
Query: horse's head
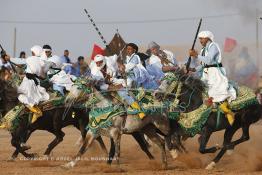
x: 81, y: 89
x: 192, y: 90
x: 186, y: 87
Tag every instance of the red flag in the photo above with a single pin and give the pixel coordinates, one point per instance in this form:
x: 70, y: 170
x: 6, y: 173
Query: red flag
x: 97, y: 50
x: 229, y: 44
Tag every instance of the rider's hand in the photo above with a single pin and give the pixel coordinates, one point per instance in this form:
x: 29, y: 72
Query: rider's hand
x: 193, y: 53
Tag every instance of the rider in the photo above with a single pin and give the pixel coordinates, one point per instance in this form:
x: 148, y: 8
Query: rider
x: 61, y: 81
x: 105, y: 73
x: 136, y: 73
x: 160, y: 61
x: 213, y: 73
x: 30, y: 92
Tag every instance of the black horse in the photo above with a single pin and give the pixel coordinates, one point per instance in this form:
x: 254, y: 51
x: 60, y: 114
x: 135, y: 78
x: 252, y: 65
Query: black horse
x: 53, y: 121
x: 191, y: 97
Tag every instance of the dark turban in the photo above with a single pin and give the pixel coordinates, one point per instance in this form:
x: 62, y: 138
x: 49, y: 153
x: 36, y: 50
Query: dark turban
x: 134, y: 46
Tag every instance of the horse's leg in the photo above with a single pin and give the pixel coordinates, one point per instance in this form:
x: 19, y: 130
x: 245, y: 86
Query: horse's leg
x: 152, y: 135
x: 203, y: 140
x: 228, y: 135
x: 19, y: 149
x: 16, y: 140
x: 115, y: 134
x: 142, y: 143
x: 111, y: 152
x: 245, y: 137
x: 86, y: 144
x: 59, y: 135
x: 82, y: 128
x: 102, y: 144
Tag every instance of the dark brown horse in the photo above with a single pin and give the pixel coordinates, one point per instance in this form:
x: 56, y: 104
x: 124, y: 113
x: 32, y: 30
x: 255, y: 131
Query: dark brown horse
x: 191, y: 97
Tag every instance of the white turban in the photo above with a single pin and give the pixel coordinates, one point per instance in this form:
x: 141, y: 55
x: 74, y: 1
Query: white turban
x: 206, y: 34
x: 153, y: 44
x: 37, y: 50
x: 100, y: 58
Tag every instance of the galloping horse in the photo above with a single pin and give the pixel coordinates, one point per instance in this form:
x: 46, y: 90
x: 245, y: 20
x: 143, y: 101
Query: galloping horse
x: 191, y: 96
x: 120, y: 123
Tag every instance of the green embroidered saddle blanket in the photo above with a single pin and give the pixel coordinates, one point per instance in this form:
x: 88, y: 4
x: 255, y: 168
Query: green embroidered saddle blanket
x: 245, y: 97
x: 192, y: 122
x: 102, y: 117
x: 12, y: 118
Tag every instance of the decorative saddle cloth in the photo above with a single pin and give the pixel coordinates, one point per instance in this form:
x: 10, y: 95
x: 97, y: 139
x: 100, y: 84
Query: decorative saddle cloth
x: 192, y: 122
x: 102, y: 118
x: 11, y: 120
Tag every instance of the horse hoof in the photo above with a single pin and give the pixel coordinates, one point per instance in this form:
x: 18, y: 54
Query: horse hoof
x: 164, y: 166
x: 211, y: 166
x: 68, y: 165
x: 229, y: 152
x: 174, y: 153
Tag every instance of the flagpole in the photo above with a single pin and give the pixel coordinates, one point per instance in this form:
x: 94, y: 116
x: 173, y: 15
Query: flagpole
x: 14, y: 49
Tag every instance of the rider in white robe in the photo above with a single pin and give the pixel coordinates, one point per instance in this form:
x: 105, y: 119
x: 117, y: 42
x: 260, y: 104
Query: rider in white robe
x: 104, y: 71
x: 60, y: 79
x: 136, y: 72
x: 30, y: 92
x: 156, y: 65
x: 214, y: 74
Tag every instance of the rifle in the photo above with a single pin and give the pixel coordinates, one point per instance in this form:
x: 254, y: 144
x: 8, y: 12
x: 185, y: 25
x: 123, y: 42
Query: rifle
x: 193, y: 46
x: 163, y: 57
x: 97, y: 30
x: 103, y: 40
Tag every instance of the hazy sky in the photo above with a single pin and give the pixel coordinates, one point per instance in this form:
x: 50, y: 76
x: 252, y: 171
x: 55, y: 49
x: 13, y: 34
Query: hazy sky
x: 35, y: 22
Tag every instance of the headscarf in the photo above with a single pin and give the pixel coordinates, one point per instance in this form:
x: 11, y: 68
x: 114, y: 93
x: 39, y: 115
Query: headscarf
x: 100, y: 58
x: 206, y: 34
x: 37, y: 50
x: 47, y: 48
x: 153, y: 44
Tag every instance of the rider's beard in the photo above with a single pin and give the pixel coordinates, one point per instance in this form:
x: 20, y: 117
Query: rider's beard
x: 101, y: 67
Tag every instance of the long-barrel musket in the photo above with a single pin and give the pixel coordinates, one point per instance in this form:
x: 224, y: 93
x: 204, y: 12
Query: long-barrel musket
x: 97, y: 30
x: 163, y: 57
x: 3, y: 54
x: 193, y: 46
x: 101, y: 36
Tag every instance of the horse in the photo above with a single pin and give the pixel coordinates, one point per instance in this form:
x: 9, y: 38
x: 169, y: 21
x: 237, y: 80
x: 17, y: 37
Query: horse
x: 191, y: 96
x: 8, y: 92
x: 121, y: 123
x: 53, y: 121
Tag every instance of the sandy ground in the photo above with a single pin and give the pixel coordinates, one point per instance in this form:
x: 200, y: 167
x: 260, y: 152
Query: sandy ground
x: 246, y: 159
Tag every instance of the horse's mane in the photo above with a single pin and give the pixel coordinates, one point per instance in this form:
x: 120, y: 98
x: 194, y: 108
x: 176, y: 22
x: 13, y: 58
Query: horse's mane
x: 191, y: 82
